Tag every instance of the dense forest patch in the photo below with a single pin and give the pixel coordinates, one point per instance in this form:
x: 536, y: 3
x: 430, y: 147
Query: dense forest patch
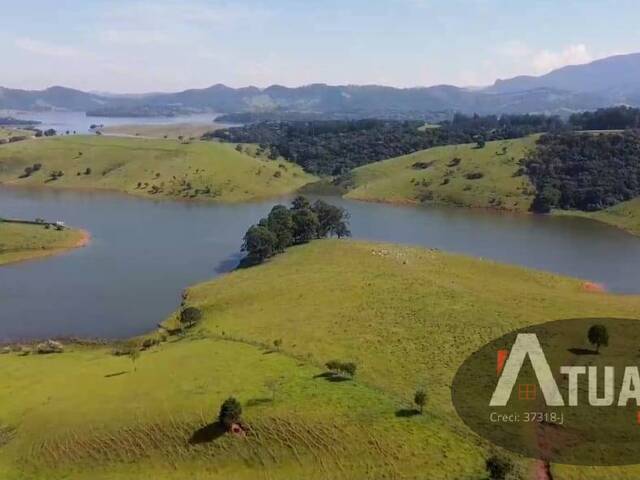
x: 584, y: 171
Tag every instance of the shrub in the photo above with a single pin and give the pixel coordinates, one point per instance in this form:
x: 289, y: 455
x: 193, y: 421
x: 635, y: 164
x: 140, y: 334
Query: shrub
x: 474, y: 175
x: 498, y: 467
x: 190, y: 316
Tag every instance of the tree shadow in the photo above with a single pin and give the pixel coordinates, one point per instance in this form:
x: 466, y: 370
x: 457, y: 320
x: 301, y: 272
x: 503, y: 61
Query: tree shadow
x: 407, y: 412
x: 228, y: 264
x: 332, y: 377
x: 207, y: 434
x: 116, y: 374
x: 582, y: 351
x: 255, y: 402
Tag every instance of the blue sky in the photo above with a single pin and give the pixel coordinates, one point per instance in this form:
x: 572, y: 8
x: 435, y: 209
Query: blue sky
x: 159, y: 45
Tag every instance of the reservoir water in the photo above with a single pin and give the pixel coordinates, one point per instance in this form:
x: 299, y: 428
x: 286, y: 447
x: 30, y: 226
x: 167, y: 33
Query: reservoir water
x: 144, y: 253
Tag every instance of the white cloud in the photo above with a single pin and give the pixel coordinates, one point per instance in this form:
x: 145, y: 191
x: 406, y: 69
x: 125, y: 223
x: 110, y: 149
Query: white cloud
x: 546, y: 60
x: 46, y: 49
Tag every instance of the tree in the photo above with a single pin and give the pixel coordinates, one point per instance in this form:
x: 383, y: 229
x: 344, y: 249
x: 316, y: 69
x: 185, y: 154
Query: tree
x: 300, y: 203
x: 230, y: 412
x: 134, y: 354
x: 332, y: 220
x: 50, y: 132
x: 305, y: 225
x: 190, y: 316
x: 280, y: 222
x: 598, y: 335
x: 259, y: 243
x: 498, y: 467
x: 420, y: 399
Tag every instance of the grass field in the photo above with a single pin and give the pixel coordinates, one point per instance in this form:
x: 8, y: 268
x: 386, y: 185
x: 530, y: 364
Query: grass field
x: 174, y: 130
x: 23, y: 242
x: 407, y: 316
x: 459, y: 175
x: 150, y: 167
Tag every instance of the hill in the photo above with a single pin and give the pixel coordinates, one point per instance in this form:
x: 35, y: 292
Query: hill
x: 86, y: 413
x: 149, y: 167
x: 23, y: 242
x: 616, y: 78
x: 461, y: 175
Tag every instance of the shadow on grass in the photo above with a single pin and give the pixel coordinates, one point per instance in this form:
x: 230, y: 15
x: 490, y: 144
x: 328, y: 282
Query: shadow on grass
x: 582, y: 351
x: 255, y: 402
x: 207, y: 434
x: 116, y: 374
x: 332, y: 377
x: 407, y: 412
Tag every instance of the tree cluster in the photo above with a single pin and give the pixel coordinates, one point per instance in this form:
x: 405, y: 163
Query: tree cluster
x: 584, y: 171
x: 614, y: 118
x: 300, y: 223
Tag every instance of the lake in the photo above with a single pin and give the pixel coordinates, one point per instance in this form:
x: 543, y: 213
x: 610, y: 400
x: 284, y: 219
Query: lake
x: 80, y: 123
x: 144, y: 253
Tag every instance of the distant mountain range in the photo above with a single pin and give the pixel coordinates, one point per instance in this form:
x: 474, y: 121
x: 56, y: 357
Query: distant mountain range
x: 610, y: 81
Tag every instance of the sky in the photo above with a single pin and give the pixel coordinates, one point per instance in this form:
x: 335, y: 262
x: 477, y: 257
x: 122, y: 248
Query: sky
x: 138, y: 46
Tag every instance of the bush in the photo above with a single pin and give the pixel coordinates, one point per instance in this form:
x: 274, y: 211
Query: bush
x: 474, y: 175
x: 498, y: 467
x: 342, y: 368
x: 190, y: 316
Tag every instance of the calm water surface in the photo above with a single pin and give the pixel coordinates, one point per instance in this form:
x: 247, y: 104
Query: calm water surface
x: 143, y: 254
x: 80, y: 123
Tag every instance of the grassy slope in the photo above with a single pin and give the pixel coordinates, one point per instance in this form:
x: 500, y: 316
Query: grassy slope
x: 625, y: 215
x: 13, y: 132
x: 23, y: 242
x: 120, y: 163
x: 407, y: 316
x: 395, y: 180
x: 173, y: 130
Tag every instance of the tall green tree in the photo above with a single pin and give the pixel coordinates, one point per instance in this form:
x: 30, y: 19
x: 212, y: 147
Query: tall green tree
x: 280, y: 222
x: 305, y: 225
x: 332, y: 220
x: 259, y: 243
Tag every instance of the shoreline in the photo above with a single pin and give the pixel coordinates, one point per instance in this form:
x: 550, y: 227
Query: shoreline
x: 34, y: 255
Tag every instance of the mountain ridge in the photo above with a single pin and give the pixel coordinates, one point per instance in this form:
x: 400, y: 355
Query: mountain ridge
x: 601, y: 83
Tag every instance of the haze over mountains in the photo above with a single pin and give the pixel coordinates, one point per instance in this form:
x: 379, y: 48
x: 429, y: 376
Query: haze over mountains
x: 610, y: 81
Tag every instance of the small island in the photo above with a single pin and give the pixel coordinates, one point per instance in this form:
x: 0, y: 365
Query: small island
x: 25, y: 240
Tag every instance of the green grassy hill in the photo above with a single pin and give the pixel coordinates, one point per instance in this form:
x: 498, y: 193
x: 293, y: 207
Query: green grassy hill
x: 625, y: 215
x: 149, y: 167
x: 22, y: 242
x: 461, y: 175
x: 407, y: 316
